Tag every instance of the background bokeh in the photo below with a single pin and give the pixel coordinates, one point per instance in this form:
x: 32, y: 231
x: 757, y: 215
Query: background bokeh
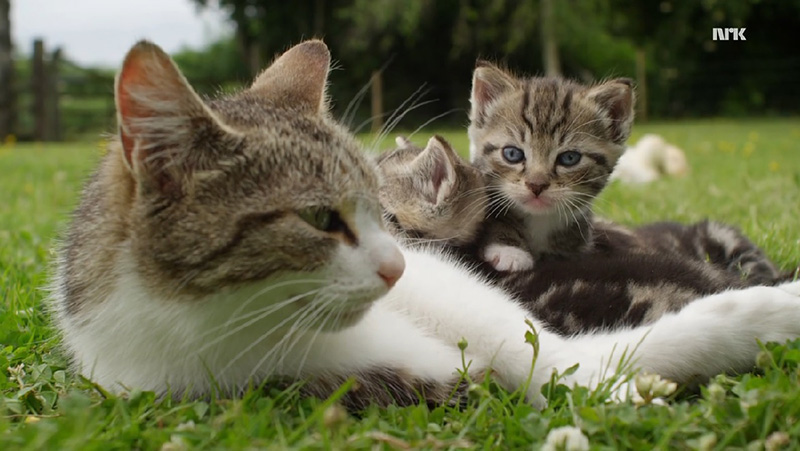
x: 388, y: 50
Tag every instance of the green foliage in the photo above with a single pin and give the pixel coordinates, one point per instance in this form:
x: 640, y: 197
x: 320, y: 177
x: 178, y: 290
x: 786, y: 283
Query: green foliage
x: 743, y: 172
x: 218, y: 67
x: 436, y: 43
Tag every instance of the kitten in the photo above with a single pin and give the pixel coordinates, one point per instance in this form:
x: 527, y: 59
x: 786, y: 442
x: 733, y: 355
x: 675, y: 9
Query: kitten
x: 629, y: 276
x: 546, y: 147
x: 222, y: 243
x: 431, y: 193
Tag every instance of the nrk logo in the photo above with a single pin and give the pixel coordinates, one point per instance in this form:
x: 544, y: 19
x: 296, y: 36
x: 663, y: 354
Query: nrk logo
x: 726, y: 34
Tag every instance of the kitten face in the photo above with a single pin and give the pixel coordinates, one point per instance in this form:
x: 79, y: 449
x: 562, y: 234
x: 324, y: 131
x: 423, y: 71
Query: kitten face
x: 546, y: 144
x: 256, y: 195
x: 431, y: 193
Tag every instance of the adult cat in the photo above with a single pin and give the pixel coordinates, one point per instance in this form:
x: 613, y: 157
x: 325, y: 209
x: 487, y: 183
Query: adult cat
x: 225, y: 242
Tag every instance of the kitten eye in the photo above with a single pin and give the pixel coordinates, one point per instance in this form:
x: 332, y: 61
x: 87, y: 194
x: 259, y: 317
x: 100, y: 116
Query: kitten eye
x: 323, y: 219
x: 568, y: 158
x: 513, y: 154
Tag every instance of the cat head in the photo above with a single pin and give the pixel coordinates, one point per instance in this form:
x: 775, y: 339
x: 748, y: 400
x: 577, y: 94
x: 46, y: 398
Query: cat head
x: 431, y: 193
x: 248, y: 192
x: 547, y: 143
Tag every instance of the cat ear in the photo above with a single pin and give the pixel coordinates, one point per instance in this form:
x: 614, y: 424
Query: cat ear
x: 437, y: 165
x: 158, y: 114
x: 616, y: 98
x: 297, y: 79
x: 488, y: 83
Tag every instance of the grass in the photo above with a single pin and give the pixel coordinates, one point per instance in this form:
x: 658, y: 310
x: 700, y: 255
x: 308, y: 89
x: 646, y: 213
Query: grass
x: 743, y: 172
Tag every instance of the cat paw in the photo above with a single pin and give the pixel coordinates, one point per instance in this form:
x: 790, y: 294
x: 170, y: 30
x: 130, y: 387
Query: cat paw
x: 791, y: 287
x: 507, y: 258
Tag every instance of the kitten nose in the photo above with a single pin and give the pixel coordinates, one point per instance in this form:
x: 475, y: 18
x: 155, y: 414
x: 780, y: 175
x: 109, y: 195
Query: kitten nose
x: 391, y: 267
x: 537, y: 188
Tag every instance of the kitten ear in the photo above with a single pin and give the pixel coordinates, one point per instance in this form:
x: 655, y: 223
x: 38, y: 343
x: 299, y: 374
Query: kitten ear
x: 158, y: 113
x: 617, y: 99
x: 297, y: 79
x: 436, y: 165
x: 488, y: 83
x: 402, y: 141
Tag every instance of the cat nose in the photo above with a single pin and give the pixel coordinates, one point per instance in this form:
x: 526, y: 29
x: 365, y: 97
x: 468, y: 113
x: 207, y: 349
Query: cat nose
x: 538, y: 188
x: 391, y: 267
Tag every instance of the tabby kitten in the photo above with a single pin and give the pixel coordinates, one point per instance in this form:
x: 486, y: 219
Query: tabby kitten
x: 630, y: 276
x: 546, y: 147
x: 431, y: 194
x: 222, y: 243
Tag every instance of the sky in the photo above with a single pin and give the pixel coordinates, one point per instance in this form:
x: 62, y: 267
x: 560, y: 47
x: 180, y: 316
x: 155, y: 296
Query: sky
x: 99, y: 32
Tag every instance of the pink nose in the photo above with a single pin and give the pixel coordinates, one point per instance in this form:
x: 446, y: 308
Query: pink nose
x: 390, y: 269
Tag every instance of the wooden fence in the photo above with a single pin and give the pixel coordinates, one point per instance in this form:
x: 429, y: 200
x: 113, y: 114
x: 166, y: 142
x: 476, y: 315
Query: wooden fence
x: 53, y: 99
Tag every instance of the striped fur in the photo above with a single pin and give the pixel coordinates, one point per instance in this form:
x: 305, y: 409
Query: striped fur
x: 539, y: 203
x: 625, y: 277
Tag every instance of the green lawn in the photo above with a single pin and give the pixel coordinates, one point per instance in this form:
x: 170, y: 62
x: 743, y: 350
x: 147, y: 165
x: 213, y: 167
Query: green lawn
x: 743, y: 172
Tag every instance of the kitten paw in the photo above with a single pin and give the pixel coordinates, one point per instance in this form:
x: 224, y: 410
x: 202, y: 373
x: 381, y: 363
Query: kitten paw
x: 507, y: 258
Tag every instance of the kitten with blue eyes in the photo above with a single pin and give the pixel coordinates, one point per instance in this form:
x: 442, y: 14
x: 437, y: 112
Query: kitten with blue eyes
x: 546, y: 148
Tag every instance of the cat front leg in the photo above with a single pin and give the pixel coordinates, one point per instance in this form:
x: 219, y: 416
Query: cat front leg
x: 712, y: 335
x: 453, y: 304
x: 391, y: 361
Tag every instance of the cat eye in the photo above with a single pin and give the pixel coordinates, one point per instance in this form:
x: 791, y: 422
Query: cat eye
x: 568, y: 158
x: 513, y: 154
x: 323, y: 219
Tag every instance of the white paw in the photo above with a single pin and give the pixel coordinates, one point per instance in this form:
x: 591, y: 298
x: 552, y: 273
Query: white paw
x: 791, y: 287
x: 507, y: 258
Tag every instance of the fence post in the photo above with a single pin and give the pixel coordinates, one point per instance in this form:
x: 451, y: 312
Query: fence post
x: 39, y: 89
x: 641, y: 85
x: 8, y: 107
x: 52, y: 81
x: 377, y: 101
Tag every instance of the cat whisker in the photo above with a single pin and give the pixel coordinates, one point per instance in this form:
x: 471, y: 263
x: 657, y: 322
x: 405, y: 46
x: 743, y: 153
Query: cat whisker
x: 297, y: 331
x: 350, y: 112
x: 294, y: 319
x: 263, y: 314
x: 431, y: 120
x: 265, y: 290
x: 399, y: 113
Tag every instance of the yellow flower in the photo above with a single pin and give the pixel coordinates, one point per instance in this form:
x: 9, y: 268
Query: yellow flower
x: 774, y: 166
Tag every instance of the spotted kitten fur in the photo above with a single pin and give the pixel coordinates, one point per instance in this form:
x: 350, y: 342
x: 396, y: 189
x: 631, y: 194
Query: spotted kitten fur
x: 629, y: 276
x: 546, y: 147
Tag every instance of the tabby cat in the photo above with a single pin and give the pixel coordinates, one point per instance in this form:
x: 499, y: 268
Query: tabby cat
x: 224, y: 242
x: 628, y: 277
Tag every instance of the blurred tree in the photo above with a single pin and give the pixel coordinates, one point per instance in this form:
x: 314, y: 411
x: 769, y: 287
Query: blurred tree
x: 266, y: 27
x: 7, y: 103
x: 436, y: 42
x: 220, y: 66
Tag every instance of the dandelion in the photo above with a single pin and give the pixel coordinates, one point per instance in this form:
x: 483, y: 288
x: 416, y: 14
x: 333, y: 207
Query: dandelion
x: 566, y: 438
x: 774, y: 166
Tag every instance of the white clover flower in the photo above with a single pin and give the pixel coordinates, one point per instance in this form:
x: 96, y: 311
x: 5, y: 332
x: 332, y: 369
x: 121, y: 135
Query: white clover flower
x: 566, y: 438
x: 651, y: 387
